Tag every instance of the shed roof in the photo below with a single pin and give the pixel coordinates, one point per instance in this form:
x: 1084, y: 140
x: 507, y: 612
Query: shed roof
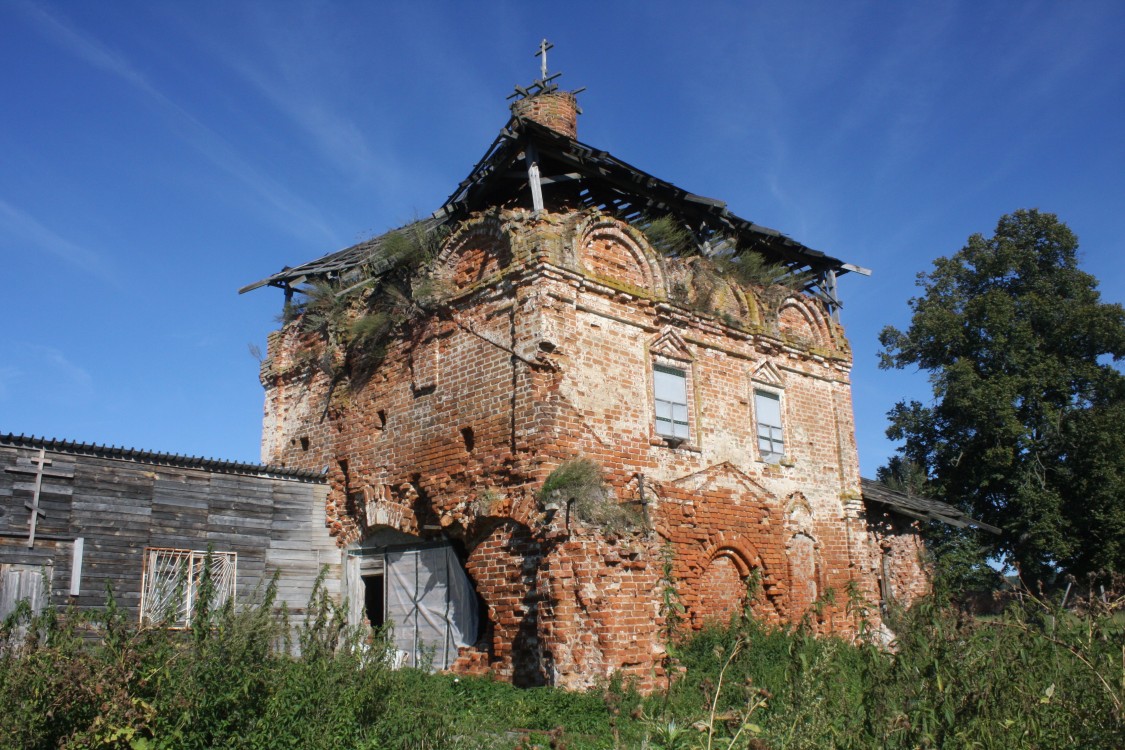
x: 918, y: 507
x: 153, y: 458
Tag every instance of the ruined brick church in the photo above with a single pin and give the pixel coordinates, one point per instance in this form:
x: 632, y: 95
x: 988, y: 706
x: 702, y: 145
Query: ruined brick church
x: 579, y: 408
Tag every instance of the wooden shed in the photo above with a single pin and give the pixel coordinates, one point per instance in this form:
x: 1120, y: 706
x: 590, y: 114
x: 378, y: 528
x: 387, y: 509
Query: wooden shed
x: 76, y: 517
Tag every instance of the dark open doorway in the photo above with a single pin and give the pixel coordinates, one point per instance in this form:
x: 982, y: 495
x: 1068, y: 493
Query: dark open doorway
x: 374, y: 599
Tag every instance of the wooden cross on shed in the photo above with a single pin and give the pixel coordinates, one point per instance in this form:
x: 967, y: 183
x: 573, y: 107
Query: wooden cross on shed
x: 34, y: 466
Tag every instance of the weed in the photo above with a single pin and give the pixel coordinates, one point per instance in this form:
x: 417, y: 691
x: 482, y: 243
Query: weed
x: 580, y: 486
x: 669, y: 237
x: 1038, y: 676
x: 671, y: 606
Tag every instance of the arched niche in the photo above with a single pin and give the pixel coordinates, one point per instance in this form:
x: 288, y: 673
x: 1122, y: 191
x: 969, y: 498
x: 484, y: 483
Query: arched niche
x: 802, y: 553
x: 477, y: 252
x: 803, y: 556
x: 614, y: 252
x: 801, y: 322
x: 721, y: 588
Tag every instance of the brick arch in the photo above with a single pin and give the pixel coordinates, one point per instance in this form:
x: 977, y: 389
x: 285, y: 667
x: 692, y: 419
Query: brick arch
x: 802, y: 321
x: 616, y: 252
x: 744, y: 555
x: 719, y: 590
x: 475, y: 253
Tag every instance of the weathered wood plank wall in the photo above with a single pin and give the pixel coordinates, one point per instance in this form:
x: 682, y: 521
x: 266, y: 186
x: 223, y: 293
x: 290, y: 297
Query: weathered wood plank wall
x: 119, y: 507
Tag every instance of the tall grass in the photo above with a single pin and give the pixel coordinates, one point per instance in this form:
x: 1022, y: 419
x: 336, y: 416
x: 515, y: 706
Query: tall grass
x: 1036, y: 677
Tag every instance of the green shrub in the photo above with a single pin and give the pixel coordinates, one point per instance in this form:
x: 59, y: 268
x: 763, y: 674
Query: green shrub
x: 1037, y: 677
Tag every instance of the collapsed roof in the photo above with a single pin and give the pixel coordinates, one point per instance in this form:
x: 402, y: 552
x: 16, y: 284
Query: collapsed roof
x: 921, y: 508
x: 529, y: 160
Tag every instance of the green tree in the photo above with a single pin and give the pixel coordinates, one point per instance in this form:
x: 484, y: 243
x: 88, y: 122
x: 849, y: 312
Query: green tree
x: 1027, y: 426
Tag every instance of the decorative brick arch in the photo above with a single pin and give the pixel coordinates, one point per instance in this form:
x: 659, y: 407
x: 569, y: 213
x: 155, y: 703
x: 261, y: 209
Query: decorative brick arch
x: 803, y: 322
x: 719, y: 590
x: 477, y: 252
x: 615, y: 252
x: 744, y: 555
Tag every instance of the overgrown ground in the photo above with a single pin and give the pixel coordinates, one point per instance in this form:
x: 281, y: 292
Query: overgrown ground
x: 1036, y: 677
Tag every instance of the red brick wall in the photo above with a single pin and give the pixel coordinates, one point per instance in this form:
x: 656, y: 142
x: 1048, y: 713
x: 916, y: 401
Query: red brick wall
x: 544, y: 358
x: 557, y: 110
x: 721, y: 591
x: 900, y: 559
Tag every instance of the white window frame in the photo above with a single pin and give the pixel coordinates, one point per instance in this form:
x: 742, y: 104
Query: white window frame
x: 665, y: 410
x: 171, y: 579
x: 774, y: 436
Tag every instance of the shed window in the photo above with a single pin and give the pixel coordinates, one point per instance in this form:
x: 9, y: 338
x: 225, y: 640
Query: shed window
x: 771, y: 442
x: 173, y: 579
x: 670, y: 386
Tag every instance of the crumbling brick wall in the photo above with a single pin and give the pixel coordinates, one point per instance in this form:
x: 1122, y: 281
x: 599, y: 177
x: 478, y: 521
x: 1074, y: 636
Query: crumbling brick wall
x: 545, y: 352
x: 899, y: 556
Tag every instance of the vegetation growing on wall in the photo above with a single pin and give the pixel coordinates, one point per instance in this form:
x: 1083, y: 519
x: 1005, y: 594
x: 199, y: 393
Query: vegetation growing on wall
x: 355, y: 319
x: 580, y: 486
x: 708, y: 273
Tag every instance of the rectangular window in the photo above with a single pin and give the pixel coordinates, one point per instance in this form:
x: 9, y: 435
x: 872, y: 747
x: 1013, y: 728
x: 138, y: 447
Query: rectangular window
x: 670, y: 386
x: 771, y: 443
x: 173, y: 579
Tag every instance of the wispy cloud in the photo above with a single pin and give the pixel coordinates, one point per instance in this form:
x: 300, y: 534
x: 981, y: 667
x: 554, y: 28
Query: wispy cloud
x: 43, y: 369
x: 57, y: 362
x: 288, y: 66
x: 335, y: 135
x: 86, y: 47
x: 289, y: 209
x: 26, y: 228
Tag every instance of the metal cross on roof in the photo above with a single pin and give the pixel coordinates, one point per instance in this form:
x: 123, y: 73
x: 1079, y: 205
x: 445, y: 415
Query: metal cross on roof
x: 545, y: 84
x: 543, y: 47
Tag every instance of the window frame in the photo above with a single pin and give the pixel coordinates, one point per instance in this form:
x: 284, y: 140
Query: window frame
x: 169, y: 594
x: 776, y: 435
x: 683, y: 373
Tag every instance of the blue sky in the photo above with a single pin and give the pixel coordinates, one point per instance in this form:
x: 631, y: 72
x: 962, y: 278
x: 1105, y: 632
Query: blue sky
x: 154, y: 157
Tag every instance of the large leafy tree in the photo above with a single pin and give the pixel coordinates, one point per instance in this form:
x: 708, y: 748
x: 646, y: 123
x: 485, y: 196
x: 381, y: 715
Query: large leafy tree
x: 1027, y: 426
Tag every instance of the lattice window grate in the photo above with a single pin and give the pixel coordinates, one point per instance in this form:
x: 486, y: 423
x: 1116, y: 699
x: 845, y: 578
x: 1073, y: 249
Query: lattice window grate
x: 172, y: 580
